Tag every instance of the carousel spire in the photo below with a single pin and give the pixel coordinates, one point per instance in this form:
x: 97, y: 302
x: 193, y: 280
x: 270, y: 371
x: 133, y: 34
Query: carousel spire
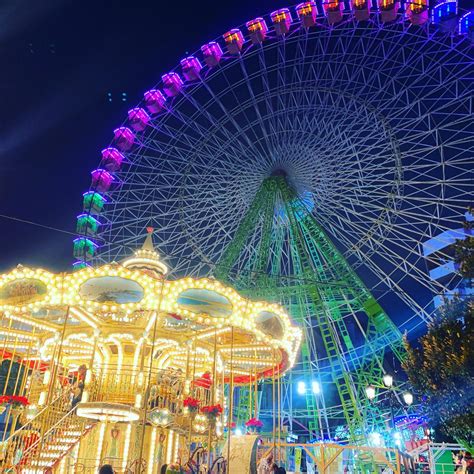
x: 147, y: 259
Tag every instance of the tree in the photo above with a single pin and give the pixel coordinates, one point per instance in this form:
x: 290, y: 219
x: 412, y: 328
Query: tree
x: 441, y: 365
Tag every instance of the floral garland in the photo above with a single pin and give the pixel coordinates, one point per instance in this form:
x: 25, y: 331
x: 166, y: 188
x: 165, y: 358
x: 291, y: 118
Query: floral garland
x: 192, y: 404
x: 14, y: 400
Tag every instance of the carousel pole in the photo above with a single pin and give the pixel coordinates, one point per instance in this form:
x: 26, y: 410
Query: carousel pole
x: 231, y: 398
x: 255, y: 406
x: 89, y: 373
x: 273, y: 403
x: 192, y: 393
x: 187, y: 391
x: 54, y: 372
x: 213, y: 396
x: 145, y: 409
x: 26, y: 362
x: 279, y: 411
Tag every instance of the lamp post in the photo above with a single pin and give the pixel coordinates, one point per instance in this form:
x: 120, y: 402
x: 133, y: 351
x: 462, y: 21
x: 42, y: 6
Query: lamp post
x: 388, y: 383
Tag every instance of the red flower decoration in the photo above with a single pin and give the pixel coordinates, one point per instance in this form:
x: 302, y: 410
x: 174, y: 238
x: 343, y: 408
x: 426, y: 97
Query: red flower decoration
x: 14, y: 400
x: 212, y: 410
x: 191, y: 403
x: 4, y: 399
x: 254, y: 423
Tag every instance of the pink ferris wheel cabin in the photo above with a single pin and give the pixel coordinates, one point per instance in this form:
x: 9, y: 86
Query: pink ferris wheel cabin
x: 333, y: 10
x: 191, y: 68
x: 112, y: 159
x: 172, y: 84
x: 212, y: 53
x: 307, y: 13
x: 257, y: 30
x: 234, y: 39
x: 101, y: 180
x: 154, y: 101
x: 281, y: 21
x: 124, y: 138
x: 138, y: 119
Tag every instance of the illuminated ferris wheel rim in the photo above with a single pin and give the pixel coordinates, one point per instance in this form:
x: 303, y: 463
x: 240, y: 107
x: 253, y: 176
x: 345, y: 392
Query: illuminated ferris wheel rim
x: 247, y: 50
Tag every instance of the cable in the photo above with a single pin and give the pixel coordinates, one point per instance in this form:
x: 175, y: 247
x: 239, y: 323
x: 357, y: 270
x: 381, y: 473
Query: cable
x: 24, y: 221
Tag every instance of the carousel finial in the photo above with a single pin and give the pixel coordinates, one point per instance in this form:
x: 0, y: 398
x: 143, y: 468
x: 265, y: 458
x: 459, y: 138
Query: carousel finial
x: 147, y: 258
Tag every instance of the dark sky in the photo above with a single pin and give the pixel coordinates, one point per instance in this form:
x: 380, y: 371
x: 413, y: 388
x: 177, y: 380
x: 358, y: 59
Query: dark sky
x: 60, y: 59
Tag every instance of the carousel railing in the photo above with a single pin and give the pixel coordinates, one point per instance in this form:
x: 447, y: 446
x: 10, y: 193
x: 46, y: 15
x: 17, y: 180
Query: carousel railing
x: 47, y: 449
x: 30, y: 429
x: 156, y: 389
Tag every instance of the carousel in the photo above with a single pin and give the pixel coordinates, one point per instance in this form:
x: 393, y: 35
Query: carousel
x: 120, y: 365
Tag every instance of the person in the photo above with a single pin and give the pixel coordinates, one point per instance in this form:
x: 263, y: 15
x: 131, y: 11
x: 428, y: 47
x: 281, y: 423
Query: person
x: 163, y: 469
x: 266, y: 465
x: 468, y: 463
x: 106, y: 469
x: 457, y: 460
x: 78, y: 386
x: 281, y: 470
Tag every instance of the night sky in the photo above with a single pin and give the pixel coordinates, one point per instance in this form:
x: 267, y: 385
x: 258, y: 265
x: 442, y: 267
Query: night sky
x: 60, y: 62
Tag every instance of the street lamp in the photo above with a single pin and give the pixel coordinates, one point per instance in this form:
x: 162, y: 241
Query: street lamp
x: 408, y: 398
x: 370, y: 392
x: 388, y: 380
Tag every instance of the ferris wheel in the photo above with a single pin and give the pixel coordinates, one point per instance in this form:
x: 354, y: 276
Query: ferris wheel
x: 340, y: 137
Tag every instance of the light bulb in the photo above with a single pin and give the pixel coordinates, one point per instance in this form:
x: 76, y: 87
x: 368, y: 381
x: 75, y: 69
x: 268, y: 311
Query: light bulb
x: 388, y: 380
x: 370, y: 392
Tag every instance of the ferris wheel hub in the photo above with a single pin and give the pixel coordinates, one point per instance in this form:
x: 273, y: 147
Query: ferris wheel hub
x: 279, y: 172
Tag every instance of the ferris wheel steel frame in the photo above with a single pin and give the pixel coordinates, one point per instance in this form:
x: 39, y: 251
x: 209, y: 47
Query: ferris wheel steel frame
x: 286, y: 165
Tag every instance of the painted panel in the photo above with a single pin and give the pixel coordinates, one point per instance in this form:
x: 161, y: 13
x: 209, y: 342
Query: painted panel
x: 205, y: 301
x: 111, y: 289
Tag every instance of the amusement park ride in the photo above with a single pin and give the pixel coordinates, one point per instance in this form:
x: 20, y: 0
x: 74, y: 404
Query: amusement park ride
x: 291, y: 170
x: 110, y: 360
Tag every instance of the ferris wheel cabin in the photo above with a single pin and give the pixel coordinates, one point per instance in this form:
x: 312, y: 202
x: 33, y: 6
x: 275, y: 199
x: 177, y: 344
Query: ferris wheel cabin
x: 154, y: 101
x: 257, y: 29
x: 307, y: 13
x: 112, y: 159
x: 138, y: 119
x: 191, y: 68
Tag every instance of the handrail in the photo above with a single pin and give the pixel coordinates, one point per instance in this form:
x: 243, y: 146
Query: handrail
x: 27, y: 426
x: 48, y: 432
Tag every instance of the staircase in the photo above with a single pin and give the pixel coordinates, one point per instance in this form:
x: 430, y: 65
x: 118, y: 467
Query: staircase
x: 39, y: 445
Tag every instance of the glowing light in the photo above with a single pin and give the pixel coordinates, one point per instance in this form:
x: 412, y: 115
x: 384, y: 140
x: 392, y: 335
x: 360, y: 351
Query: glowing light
x: 316, y: 387
x: 99, y: 445
x: 169, y: 447
x: 151, y: 454
x: 238, y: 432
x: 301, y: 387
x: 370, y: 392
x: 126, y: 447
x: 107, y: 411
x: 408, y: 398
x: 375, y: 439
x: 388, y: 380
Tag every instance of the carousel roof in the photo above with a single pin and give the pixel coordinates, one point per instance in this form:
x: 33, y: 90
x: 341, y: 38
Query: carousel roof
x: 134, y: 301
